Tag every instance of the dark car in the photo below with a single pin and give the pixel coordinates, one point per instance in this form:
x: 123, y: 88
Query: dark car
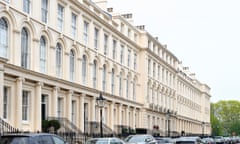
x: 27, y: 138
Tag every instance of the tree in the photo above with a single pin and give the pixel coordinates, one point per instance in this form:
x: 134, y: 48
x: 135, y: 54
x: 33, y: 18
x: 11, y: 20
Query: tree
x: 225, y: 117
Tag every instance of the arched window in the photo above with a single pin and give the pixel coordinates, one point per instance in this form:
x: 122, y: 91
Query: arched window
x: 120, y: 84
x: 3, y: 38
x: 84, y: 69
x: 112, y: 81
x: 104, y: 78
x: 58, y: 60
x: 72, y: 65
x: 94, y: 74
x: 24, y: 48
x: 42, y: 55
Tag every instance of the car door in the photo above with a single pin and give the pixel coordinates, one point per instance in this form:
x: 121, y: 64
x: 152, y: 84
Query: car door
x: 58, y: 140
x: 46, y: 139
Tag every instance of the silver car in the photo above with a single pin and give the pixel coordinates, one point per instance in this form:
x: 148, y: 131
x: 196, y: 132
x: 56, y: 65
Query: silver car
x: 110, y: 140
x: 141, y: 139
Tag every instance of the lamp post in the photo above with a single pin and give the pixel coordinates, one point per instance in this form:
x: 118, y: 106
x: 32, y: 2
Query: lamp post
x: 203, y: 124
x: 100, y: 103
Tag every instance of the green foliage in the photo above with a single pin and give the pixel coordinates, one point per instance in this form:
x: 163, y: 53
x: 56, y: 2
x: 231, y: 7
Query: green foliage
x: 225, y: 117
x: 47, y: 124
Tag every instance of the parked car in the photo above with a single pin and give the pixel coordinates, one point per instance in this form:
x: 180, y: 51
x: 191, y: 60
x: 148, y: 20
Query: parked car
x: 110, y: 140
x: 208, y: 140
x: 140, y: 139
x: 27, y: 138
x: 219, y: 139
x: 164, y: 140
x: 188, y: 140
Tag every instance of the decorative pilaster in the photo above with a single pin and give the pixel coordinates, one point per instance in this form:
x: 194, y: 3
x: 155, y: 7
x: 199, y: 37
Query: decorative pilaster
x: 82, y: 97
x: 134, y: 117
x: 69, y: 105
x: 54, y: 102
x: 120, y: 115
x: 1, y: 88
x: 112, y: 118
x: 127, y: 116
x: 18, y: 104
x: 93, y: 111
x: 37, y: 111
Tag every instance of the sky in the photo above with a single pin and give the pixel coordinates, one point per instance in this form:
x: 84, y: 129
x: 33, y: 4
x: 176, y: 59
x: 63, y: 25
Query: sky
x: 203, y: 34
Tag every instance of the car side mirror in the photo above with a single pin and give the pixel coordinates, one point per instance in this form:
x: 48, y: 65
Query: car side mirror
x: 147, y: 140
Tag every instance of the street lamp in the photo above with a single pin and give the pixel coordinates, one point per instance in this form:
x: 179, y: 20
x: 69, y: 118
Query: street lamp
x: 100, y: 103
x: 203, y: 123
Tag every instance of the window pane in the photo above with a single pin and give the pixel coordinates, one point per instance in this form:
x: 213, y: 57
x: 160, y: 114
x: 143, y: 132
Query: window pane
x: 74, y: 23
x: 24, y: 48
x: 60, y: 18
x: 44, y: 10
x: 72, y: 68
x: 26, y: 6
x: 42, y: 55
x: 3, y: 38
x: 58, y: 59
x: 25, y: 105
x: 5, y: 103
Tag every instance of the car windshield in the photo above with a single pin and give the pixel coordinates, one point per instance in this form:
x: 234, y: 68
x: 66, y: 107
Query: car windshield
x: 14, y: 140
x: 135, y: 138
x: 97, y: 141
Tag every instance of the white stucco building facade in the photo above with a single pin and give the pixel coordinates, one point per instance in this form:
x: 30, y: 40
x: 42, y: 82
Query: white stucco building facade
x: 57, y: 56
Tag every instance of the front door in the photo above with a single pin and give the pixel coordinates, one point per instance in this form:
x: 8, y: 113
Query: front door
x: 44, y: 107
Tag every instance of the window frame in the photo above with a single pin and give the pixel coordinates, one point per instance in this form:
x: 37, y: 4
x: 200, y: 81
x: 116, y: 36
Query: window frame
x: 4, y: 33
x: 60, y: 17
x: 44, y: 11
x: 26, y: 6
x: 74, y: 25
x: 72, y: 65
x: 25, y: 48
x: 42, y: 54
x: 58, y: 60
x: 85, y: 32
x: 25, y: 105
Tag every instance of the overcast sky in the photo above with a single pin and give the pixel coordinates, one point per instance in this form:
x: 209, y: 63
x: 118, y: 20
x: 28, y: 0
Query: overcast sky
x: 203, y: 34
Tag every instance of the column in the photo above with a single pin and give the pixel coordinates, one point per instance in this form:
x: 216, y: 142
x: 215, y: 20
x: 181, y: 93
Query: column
x: 120, y: 115
x: 37, y: 112
x: 82, y: 97
x: 18, y: 104
x: 127, y: 116
x: 69, y: 105
x: 54, y: 102
x: 93, y: 109
x: 134, y: 118
x: 112, y: 118
x: 1, y: 87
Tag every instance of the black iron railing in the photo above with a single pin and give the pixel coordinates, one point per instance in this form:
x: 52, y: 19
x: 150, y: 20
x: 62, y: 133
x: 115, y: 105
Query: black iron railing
x: 6, y: 127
